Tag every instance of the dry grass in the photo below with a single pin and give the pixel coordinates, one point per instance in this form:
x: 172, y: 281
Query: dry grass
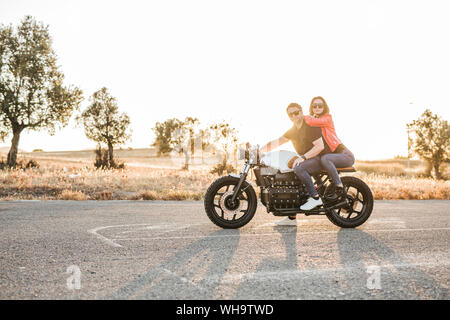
x: 394, y: 188
x: 168, y: 195
x: 70, y: 176
x: 72, y: 195
x: 398, y: 168
x: 86, y: 183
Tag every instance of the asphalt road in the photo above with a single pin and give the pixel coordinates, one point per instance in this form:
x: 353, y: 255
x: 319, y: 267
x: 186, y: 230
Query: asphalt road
x: 170, y: 250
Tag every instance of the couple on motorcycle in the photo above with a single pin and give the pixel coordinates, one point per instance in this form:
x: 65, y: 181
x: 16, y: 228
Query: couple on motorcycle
x: 315, y: 141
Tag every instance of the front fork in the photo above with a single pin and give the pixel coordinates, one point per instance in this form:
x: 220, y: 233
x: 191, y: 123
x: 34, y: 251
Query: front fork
x: 242, y: 177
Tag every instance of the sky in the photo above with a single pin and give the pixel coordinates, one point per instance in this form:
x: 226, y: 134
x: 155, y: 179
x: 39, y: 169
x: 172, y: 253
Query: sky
x: 378, y: 64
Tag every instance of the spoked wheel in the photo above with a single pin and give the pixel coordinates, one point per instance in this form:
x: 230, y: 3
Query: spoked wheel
x: 224, y: 212
x: 360, y: 204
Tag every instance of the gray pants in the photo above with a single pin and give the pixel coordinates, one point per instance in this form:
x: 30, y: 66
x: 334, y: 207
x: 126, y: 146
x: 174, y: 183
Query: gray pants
x: 331, y: 161
x: 304, y: 171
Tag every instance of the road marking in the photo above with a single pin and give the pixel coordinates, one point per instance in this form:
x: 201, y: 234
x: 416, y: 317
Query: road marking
x: 273, y: 224
x: 149, y: 227
x: 277, y: 233
x: 394, y: 222
x: 107, y: 240
x: 164, y: 227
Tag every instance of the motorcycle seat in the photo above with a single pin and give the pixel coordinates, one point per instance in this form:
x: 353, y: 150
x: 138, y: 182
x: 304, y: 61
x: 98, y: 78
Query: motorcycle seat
x: 346, y: 169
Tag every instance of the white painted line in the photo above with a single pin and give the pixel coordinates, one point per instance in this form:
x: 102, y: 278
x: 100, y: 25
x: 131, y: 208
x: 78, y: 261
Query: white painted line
x: 276, y: 233
x: 164, y: 228
x: 109, y: 241
x: 268, y: 224
x: 149, y: 227
x: 273, y: 224
x: 393, y: 222
x: 183, y: 227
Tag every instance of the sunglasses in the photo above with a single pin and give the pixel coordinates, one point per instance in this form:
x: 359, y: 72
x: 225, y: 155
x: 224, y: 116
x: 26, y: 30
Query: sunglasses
x: 295, y: 113
x: 317, y: 105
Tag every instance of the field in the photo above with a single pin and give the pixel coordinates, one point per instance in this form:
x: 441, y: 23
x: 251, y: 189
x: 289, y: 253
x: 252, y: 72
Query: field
x: 70, y: 175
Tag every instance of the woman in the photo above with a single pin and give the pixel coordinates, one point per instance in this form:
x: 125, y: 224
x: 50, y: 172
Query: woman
x: 340, y: 156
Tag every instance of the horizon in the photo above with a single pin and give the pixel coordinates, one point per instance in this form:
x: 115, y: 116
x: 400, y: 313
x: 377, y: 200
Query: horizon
x: 378, y: 65
x: 4, y: 151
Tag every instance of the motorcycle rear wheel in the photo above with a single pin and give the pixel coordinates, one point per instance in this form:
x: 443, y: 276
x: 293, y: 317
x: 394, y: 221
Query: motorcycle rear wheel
x: 360, y: 206
x: 225, y: 213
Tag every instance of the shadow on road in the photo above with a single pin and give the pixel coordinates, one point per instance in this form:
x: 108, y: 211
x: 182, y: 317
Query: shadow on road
x: 255, y: 285
x: 197, y: 270
x: 398, y: 278
x: 186, y: 274
x: 354, y: 278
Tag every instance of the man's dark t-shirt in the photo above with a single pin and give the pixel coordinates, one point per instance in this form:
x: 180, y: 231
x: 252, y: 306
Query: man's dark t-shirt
x: 303, y: 138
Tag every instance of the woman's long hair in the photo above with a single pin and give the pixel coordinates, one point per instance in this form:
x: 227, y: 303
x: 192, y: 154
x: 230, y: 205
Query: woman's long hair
x: 326, y: 109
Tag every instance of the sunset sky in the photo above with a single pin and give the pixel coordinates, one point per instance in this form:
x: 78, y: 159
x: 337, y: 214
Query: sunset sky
x: 378, y: 64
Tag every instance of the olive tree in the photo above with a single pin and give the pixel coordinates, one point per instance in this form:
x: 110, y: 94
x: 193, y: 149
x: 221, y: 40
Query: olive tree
x: 429, y: 138
x: 224, y: 139
x: 103, y: 123
x: 32, y: 93
x: 165, y: 137
x: 184, y: 137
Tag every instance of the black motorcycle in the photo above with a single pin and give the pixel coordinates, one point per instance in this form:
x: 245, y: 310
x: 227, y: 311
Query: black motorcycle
x: 231, y: 201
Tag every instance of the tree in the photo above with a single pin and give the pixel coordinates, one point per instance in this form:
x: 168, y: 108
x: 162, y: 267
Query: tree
x: 224, y: 137
x: 205, y: 140
x: 32, y: 94
x: 185, y: 138
x: 103, y: 123
x: 176, y: 135
x: 191, y: 125
x: 3, y: 132
x: 165, y: 139
x: 429, y: 137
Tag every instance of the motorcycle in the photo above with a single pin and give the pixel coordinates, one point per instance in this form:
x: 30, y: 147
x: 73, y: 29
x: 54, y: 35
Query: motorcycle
x: 231, y: 201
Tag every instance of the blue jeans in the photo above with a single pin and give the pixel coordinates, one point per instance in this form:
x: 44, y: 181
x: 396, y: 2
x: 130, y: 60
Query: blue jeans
x: 304, y: 171
x: 331, y: 161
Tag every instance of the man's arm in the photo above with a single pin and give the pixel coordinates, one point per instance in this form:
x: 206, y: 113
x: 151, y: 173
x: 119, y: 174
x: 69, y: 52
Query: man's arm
x: 273, y: 144
x: 317, y: 148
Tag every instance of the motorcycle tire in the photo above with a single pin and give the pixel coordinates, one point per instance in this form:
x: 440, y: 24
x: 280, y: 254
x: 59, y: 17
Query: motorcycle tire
x: 220, y: 212
x: 360, y: 200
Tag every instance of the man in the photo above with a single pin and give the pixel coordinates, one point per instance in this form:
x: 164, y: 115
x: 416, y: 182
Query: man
x: 309, y: 145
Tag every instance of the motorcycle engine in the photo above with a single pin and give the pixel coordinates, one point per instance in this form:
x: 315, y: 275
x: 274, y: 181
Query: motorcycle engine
x: 280, y: 190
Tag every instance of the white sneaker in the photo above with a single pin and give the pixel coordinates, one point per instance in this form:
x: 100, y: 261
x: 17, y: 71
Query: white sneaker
x: 286, y: 222
x: 311, y: 204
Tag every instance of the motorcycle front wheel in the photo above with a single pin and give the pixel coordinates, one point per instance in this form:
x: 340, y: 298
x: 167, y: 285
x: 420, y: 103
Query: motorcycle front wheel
x: 229, y: 214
